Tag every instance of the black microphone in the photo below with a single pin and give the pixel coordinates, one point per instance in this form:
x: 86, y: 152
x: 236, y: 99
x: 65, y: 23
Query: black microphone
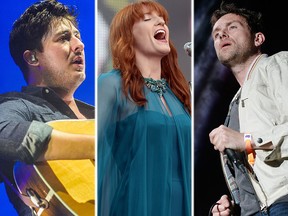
x: 233, y: 157
x: 188, y: 47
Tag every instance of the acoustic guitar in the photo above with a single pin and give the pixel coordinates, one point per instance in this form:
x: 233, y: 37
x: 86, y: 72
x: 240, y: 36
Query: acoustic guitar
x: 60, y: 187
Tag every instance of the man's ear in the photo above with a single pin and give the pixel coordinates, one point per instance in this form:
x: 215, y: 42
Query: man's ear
x: 259, y: 39
x: 30, y: 57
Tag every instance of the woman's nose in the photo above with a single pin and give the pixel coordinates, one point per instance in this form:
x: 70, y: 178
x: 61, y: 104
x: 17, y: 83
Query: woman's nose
x: 160, y: 21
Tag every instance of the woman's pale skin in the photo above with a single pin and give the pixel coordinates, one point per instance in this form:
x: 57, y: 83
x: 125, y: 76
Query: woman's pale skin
x: 151, y: 36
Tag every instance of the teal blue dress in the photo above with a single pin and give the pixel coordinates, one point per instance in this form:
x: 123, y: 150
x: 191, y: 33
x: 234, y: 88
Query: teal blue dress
x: 144, y: 153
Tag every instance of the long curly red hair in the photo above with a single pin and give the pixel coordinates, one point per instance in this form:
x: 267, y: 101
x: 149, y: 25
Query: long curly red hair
x: 123, y: 55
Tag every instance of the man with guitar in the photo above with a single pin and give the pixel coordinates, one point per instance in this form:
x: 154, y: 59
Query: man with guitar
x: 46, y: 45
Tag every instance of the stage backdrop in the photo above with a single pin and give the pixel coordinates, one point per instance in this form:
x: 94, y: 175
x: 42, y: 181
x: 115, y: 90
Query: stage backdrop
x: 11, y: 76
x: 180, y: 33
x: 179, y: 25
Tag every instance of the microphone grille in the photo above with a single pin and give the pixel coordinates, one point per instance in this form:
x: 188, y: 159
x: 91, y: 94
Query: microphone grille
x: 187, y: 48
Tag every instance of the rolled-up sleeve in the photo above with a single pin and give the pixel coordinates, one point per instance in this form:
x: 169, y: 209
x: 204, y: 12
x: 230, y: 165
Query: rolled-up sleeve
x: 23, y: 137
x: 35, y: 142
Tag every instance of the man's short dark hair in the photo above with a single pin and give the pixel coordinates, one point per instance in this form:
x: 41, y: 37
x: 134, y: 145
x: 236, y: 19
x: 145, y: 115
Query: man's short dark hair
x: 28, y: 31
x: 253, y: 18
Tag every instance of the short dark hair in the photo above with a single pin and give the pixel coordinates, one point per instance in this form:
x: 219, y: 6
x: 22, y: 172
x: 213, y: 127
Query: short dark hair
x: 253, y: 18
x: 28, y: 31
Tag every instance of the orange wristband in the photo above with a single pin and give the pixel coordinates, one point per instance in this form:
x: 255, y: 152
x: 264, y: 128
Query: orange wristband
x: 248, y: 146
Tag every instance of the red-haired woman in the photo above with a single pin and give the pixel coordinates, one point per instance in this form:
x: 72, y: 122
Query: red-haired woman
x: 144, y: 119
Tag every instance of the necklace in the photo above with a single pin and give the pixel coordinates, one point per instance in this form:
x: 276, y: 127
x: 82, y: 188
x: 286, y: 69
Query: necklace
x: 158, y: 86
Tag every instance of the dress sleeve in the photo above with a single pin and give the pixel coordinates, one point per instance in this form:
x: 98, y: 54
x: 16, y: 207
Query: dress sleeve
x: 107, y: 109
x: 106, y: 106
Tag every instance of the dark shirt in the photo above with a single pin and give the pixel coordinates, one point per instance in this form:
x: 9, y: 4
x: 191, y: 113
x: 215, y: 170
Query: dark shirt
x: 23, y: 132
x: 249, y: 200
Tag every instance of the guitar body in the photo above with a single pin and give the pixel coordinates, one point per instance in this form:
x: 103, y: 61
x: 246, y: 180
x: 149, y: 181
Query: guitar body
x: 60, y: 187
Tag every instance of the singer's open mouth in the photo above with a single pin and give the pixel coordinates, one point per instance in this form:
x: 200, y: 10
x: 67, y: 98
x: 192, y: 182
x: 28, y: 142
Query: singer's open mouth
x: 160, y: 34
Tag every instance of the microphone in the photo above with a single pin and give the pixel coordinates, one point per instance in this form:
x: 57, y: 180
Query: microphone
x: 233, y: 157
x: 188, y: 47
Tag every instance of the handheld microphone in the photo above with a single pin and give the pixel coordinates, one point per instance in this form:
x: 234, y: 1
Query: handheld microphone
x: 188, y: 47
x: 233, y: 157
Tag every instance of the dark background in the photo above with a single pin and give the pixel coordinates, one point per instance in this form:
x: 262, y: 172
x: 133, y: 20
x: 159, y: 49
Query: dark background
x: 214, y: 87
